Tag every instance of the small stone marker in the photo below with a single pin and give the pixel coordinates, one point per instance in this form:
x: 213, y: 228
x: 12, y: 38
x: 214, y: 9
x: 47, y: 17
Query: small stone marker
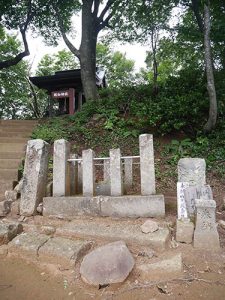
x: 181, y: 203
x: 164, y: 268
x: 192, y: 170
x: 60, y: 167
x: 108, y: 264
x: 196, y: 192
x: 184, y: 231
x: 34, y: 177
x: 149, y: 226
x: 206, y: 235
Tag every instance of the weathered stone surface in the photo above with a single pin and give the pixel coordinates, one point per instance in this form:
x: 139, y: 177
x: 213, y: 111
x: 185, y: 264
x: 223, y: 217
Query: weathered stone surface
x: 63, y: 251
x: 11, y: 195
x: 88, y: 173
x: 108, y: 264
x: 27, y: 244
x: 70, y: 206
x: 222, y: 223
x: 60, y: 169
x: 206, y: 235
x: 40, y: 208
x: 106, y: 170
x: 48, y: 230
x: 184, y: 231
x: 124, y: 206
x: 164, y: 268
x: 130, y: 233
x: 8, y: 231
x: 116, y: 183
x: 4, y: 208
x: 192, y: 170
x: 196, y: 192
x: 35, y: 176
x: 133, y: 206
x: 149, y: 226
x: 15, y: 207
x: 3, y: 251
x: 147, y: 166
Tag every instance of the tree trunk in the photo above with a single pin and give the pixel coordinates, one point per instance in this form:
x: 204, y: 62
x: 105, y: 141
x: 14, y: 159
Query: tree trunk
x: 155, y: 63
x: 88, y: 52
x: 209, y: 72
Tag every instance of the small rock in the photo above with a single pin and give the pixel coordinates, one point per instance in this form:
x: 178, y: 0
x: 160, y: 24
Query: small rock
x: 11, y: 195
x: 9, y: 231
x: 173, y: 243
x: 22, y: 219
x: 18, y: 187
x: 4, y: 208
x: 40, y: 208
x: 3, y: 251
x: 149, y: 226
x: 108, y: 264
x: 147, y: 253
x: 222, y: 223
x: 49, y: 230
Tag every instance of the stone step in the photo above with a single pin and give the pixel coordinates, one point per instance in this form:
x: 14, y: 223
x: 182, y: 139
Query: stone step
x: 12, y: 134
x: 18, y: 122
x: 9, y: 174
x: 12, y: 147
x: 12, y: 128
x: 19, y: 140
x: 114, y: 230
x: 9, y: 163
x: 11, y: 155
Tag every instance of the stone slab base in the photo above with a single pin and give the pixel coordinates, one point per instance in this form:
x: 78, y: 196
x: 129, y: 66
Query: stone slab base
x: 123, y: 206
x: 130, y: 233
x: 40, y: 247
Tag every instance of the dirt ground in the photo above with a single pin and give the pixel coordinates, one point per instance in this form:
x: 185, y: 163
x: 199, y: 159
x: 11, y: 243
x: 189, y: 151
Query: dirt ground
x: 203, y: 278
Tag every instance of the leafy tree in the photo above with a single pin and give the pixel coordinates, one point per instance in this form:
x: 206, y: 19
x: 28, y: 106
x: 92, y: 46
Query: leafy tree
x: 62, y: 60
x: 119, y: 69
x: 15, y: 101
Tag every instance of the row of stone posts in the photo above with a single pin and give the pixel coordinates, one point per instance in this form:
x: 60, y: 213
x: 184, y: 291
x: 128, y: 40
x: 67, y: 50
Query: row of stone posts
x: 66, y: 165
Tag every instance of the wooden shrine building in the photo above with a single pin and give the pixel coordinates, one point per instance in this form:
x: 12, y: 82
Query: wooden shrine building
x: 65, y: 90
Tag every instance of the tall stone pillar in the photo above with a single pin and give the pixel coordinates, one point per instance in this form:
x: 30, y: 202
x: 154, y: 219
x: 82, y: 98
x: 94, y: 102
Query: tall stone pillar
x: 128, y: 174
x: 34, y: 177
x: 60, y: 168
x: 116, y: 173
x: 147, y: 164
x: 88, y: 173
x: 106, y: 166
x: 73, y: 175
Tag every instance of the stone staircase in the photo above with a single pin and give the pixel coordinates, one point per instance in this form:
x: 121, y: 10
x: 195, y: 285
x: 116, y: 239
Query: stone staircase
x: 13, y: 137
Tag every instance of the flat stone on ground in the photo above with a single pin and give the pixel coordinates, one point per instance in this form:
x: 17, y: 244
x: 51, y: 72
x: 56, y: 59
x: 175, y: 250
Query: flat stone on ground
x: 149, y: 226
x: 108, y: 264
x: 164, y: 268
x: 8, y: 231
x: 63, y: 251
x: 27, y: 244
x: 130, y: 233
